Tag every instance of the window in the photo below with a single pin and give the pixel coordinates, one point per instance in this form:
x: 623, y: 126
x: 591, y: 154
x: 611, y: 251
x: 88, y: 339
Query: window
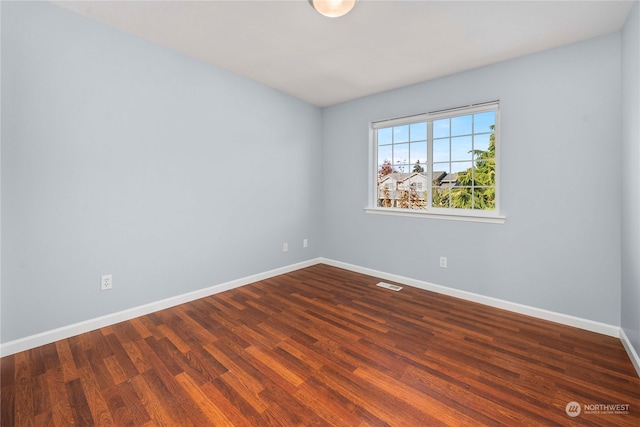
x: 443, y: 163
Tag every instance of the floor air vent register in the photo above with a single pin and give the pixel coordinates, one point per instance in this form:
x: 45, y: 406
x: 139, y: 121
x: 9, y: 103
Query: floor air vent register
x: 389, y: 286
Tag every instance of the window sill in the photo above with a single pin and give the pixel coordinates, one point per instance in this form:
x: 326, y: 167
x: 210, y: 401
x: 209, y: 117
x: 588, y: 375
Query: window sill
x: 463, y: 216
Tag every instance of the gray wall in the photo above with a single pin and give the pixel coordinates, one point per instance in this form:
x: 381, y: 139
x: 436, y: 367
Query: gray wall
x: 631, y: 178
x: 560, y: 246
x: 122, y: 157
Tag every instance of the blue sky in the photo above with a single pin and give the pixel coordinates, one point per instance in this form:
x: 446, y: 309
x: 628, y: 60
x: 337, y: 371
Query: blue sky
x: 453, y: 140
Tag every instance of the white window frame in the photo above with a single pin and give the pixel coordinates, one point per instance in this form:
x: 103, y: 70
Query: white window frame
x: 477, y: 215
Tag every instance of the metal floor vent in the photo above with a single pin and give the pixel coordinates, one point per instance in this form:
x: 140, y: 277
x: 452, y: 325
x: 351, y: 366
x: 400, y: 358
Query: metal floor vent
x: 389, y: 286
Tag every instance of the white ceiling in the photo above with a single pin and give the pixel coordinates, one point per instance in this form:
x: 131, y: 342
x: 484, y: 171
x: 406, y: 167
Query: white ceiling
x: 379, y: 45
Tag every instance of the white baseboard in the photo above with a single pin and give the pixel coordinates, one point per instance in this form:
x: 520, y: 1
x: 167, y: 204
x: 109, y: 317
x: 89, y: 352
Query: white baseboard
x: 26, y: 343
x: 53, y: 335
x: 635, y: 359
x: 565, y: 319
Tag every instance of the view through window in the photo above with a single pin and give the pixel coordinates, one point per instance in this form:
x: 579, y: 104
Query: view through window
x: 438, y: 162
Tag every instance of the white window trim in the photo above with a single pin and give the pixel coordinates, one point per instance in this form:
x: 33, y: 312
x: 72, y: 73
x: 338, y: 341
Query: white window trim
x: 458, y: 215
x: 493, y: 216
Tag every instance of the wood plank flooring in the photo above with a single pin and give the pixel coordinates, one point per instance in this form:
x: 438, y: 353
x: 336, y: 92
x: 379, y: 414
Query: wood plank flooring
x: 323, y: 346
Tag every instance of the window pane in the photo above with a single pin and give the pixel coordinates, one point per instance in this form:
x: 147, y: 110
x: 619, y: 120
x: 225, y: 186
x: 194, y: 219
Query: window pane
x: 441, y: 150
x: 484, y: 173
x: 437, y: 177
x: 484, y: 198
x: 482, y: 122
x: 403, y: 167
x: 441, y: 128
x: 441, y: 197
x: 481, y: 142
x: 461, y: 125
x: 418, y: 131
x: 384, y: 169
x: 460, y: 166
x: 442, y: 167
x: 385, y: 152
x: 401, y: 134
x: 418, y: 152
x: 384, y: 136
x: 461, y: 148
x: 461, y: 198
x: 385, y: 193
x: 400, y: 153
x: 419, y: 167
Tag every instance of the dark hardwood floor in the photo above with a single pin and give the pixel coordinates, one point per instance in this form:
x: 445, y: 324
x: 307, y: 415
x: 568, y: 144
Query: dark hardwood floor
x: 323, y: 347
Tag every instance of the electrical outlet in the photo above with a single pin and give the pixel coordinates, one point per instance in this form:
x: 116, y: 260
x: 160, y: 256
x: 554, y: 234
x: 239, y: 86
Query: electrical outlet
x: 285, y: 247
x: 305, y: 243
x: 443, y: 262
x: 106, y: 282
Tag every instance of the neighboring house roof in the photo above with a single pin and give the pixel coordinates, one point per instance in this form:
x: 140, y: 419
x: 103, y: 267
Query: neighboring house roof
x: 412, y: 175
x: 451, y: 177
x: 395, y: 176
x: 442, y: 178
x: 449, y: 180
x: 438, y: 175
x: 399, y: 176
x: 388, y: 177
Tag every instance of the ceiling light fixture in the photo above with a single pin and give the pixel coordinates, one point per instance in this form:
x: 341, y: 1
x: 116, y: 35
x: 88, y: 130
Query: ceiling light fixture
x: 333, y: 8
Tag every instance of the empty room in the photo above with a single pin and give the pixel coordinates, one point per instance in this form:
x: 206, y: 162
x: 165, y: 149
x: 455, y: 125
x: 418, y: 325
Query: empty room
x: 320, y: 213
